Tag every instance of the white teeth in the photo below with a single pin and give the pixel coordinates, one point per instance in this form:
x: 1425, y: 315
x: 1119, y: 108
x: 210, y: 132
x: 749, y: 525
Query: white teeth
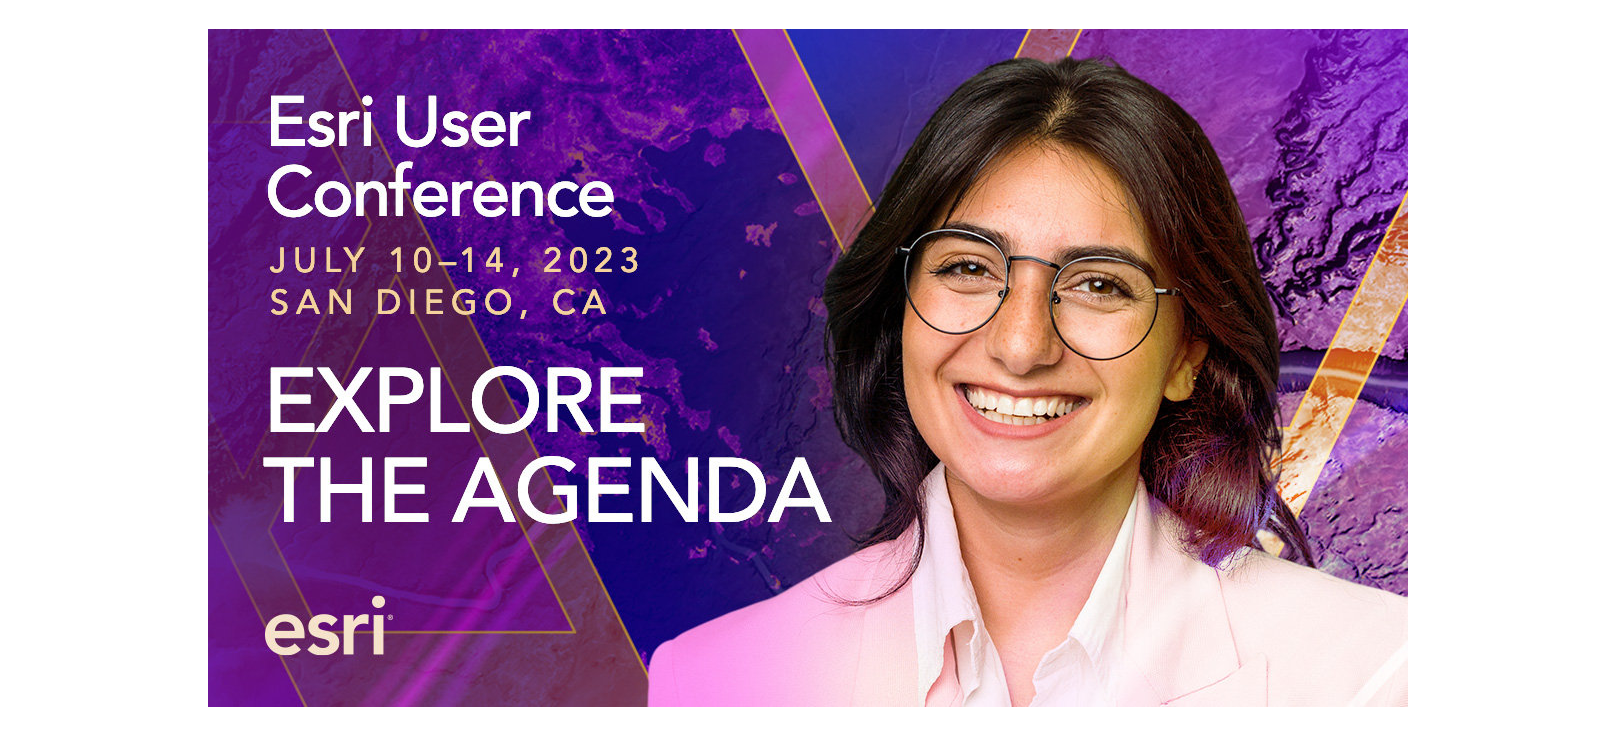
x: 1018, y: 411
x: 1014, y: 420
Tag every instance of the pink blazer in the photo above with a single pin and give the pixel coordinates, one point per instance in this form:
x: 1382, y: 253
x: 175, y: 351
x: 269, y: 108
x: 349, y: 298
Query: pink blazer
x: 1262, y: 631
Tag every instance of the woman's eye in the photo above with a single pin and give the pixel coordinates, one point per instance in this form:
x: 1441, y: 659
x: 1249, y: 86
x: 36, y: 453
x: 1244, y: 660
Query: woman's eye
x: 970, y: 268
x: 1097, y: 286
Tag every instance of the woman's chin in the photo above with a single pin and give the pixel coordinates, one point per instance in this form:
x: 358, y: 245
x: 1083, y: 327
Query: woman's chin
x: 1012, y: 483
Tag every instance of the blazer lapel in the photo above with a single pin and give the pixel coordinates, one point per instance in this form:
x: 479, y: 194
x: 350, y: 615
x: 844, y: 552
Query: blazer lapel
x: 1246, y: 687
x: 1177, y: 646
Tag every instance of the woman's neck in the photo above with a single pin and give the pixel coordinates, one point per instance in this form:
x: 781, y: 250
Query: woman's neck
x: 1036, y: 545
x: 1033, y: 567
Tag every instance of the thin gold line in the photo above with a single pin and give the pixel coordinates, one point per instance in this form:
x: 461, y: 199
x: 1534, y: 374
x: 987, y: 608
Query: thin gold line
x: 272, y: 542
x: 805, y: 176
x: 257, y: 611
x: 466, y: 411
x: 380, y: 142
x: 314, y: 436
x: 369, y: 223
x: 225, y: 445
x: 1024, y: 38
x: 250, y: 598
x: 1073, y: 47
x: 353, y: 362
x: 257, y: 451
x: 577, y: 539
x: 344, y: 169
x: 843, y: 146
x: 319, y: 327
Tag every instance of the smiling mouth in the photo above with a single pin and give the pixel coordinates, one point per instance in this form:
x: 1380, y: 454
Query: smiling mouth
x: 1024, y: 411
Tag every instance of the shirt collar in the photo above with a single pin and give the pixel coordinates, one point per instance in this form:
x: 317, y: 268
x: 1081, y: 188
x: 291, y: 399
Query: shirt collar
x: 945, y: 600
x: 1098, y: 624
x: 944, y: 597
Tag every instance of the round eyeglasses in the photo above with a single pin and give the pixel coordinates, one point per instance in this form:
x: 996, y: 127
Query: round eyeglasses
x: 1102, y: 307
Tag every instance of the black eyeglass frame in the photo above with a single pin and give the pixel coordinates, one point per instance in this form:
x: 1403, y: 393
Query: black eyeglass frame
x: 1054, y: 298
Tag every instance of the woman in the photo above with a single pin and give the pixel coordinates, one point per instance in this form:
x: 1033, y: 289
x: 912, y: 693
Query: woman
x: 1052, y: 346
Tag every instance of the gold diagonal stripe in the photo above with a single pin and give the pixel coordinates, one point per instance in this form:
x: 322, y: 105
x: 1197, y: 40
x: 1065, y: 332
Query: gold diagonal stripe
x: 1341, y: 376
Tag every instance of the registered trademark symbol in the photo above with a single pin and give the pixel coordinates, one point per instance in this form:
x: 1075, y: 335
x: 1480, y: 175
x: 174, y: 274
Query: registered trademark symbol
x: 389, y: 617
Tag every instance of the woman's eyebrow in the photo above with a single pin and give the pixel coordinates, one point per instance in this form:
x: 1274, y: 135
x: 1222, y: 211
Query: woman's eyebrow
x: 1066, y: 255
x: 994, y: 236
x: 1074, y: 252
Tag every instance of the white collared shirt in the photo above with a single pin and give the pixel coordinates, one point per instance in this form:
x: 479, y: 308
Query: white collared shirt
x: 1078, y: 671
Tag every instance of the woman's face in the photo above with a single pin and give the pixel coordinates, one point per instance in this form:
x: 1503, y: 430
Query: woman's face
x: 1045, y: 202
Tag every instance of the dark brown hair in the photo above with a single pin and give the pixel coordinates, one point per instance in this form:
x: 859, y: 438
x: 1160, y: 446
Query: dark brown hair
x: 1206, y: 458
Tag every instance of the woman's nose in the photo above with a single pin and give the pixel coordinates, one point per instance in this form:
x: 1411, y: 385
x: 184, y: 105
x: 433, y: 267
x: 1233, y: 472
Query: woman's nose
x: 1022, y: 335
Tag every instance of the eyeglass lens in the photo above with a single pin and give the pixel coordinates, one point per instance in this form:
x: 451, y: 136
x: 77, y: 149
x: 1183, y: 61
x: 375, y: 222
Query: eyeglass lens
x: 1101, y: 308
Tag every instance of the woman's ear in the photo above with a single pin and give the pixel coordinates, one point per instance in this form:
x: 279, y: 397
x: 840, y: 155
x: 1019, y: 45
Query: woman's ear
x: 1186, y: 364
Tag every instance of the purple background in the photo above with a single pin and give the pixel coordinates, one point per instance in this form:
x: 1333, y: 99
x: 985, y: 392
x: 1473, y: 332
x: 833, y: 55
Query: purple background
x: 724, y: 312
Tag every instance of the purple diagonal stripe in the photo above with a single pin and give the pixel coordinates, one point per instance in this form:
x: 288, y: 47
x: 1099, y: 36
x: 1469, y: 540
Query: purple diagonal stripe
x: 808, y: 129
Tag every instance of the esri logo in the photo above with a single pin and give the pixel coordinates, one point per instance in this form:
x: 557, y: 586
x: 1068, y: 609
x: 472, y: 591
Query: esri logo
x: 284, y: 630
